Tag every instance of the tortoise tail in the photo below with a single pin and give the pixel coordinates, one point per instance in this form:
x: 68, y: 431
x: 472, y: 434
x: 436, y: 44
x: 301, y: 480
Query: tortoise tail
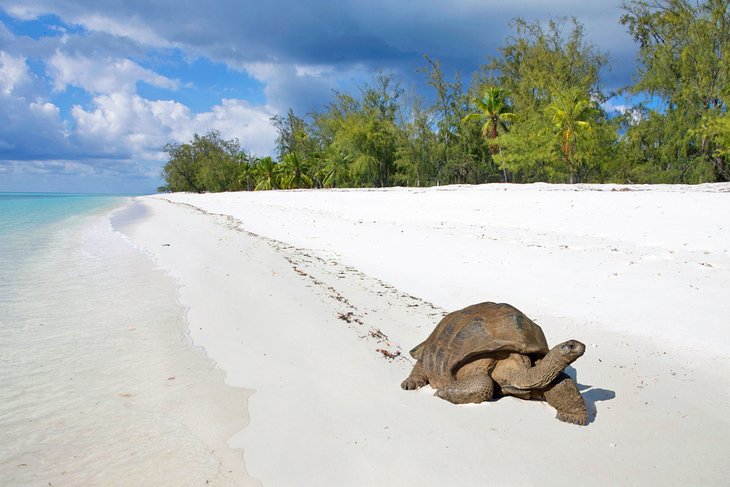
x: 417, y: 351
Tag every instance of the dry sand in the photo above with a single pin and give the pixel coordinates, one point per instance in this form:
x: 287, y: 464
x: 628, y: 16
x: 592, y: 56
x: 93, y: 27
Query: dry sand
x: 301, y: 296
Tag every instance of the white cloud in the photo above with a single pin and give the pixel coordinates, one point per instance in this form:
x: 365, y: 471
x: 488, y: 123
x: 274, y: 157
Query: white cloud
x: 132, y: 28
x: 314, y: 70
x: 22, y: 10
x: 26, y: 124
x: 13, y: 72
x: 622, y: 109
x: 238, y: 118
x: 128, y: 125
x: 45, y: 109
x: 111, y: 125
x: 110, y: 75
x: 118, y: 131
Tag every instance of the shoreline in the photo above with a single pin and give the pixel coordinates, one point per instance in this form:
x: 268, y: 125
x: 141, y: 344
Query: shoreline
x: 305, y: 325
x: 208, y: 407
x: 101, y: 383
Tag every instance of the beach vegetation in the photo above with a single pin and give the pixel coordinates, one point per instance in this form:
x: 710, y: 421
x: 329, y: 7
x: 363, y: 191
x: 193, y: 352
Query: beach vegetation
x: 552, y: 75
x: 495, y: 112
x: 684, y: 63
x: 535, y: 112
x: 267, y: 175
x: 293, y: 172
x: 206, y: 163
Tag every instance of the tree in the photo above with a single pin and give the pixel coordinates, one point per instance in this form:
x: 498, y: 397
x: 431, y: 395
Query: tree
x: 181, y: 172
x: 247, y: 173
x: 447, y: 95
x: 266, y: 174
x: 218, y: 161
x: 494, y: 112
x: 292, y: 134
x: 684, y: 54
x: 337, y: 169
x: 542, y: 60
x: 716, y: 127
x: 365, y: 130
x: 207, y: 163
x: 452, y: 154
x: 377, y: 143
x: 416, y: 152
x: 552, y: 78
x: 292, y: 172
x: 659, y: 149
x: 571, y: 114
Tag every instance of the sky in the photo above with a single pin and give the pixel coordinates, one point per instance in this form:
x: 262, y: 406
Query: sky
x: 91, y: 90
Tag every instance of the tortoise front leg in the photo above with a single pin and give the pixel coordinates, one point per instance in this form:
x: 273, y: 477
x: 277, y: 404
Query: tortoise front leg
x: 416, y: 379
x: 475, y: 388
x: 563, y: 395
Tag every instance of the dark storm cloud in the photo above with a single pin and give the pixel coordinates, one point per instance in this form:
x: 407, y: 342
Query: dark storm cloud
x: 375, y: 33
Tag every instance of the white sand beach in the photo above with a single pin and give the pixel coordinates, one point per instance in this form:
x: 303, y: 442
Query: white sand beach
x: 302, y: 297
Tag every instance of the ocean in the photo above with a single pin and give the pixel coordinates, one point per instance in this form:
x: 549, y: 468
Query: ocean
x: 99, y: 381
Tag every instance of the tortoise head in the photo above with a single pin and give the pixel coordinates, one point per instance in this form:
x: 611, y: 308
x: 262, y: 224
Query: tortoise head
x: 570, y: 351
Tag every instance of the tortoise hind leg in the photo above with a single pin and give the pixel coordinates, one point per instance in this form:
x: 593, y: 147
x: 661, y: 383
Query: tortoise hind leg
x: 416, y: 379
x: 475, y: 388
x: 563, y: 395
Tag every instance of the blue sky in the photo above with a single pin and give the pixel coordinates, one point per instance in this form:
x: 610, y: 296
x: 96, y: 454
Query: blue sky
x: 91, y: 90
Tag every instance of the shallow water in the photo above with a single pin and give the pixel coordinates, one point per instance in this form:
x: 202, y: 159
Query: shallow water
x: 100, y: 382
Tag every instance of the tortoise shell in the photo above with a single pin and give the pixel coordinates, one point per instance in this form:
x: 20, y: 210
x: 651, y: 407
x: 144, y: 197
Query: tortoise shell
x: 478, y: 330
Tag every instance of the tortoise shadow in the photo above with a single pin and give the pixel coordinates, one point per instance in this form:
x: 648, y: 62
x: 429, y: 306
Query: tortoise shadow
x: 591, y: 395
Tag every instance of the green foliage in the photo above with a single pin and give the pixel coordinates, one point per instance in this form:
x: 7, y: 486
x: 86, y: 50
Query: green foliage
x: 460, y: 154
x: 533, y: 113
x: 715, y: 127
x: 572, y: 116
x: 684, y: 51
x: 247, y: 175
x: 207, y: 163
x: 365, y: 130
x: 415, y: 158
x: 266, y: 174
x: 494, y: 112
x: 558, y: 127
x: 293, y: 136
x: 293, y: 172
x: 336, y: 173
x: 181, y: 170
x: 539, y: 61
x: 660, y: 149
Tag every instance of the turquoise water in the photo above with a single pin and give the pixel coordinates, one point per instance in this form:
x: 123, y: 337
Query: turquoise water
x: 28, y: 222
x: 97, y: 371
x: 31, y: 211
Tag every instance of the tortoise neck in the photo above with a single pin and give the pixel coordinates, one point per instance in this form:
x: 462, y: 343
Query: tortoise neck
x: 542, y: 374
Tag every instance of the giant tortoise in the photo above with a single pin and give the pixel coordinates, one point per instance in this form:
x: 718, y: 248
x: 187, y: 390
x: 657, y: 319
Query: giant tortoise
x: 492, y: 349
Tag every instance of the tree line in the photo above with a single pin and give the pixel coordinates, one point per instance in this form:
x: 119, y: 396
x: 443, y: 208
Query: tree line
x: 533, y: 113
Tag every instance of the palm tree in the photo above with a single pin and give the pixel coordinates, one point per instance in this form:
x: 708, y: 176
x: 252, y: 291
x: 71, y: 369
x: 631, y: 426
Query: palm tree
x: 494, y: 111
x: 293, y: 172
x: 337, y: 169
x: 570, y: 113
x: 247, y: 173
x: 266, y: 174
